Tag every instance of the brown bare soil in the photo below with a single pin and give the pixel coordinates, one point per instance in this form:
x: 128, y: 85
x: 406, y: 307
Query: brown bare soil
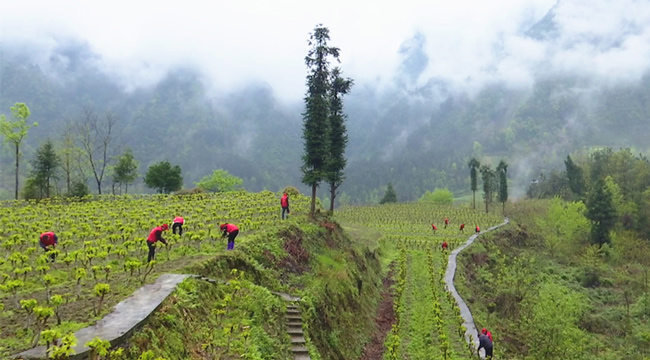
x: 374, y: 349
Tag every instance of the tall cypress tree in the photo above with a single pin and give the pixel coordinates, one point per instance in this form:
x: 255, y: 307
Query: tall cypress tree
x: 338, y: 133
x: 575, y: 176
x: 316, y: 130
x: 601, y: 212
x: 487, y: 175
x: 502, y: 170
x: 473, y: 167
x: 45, y: 165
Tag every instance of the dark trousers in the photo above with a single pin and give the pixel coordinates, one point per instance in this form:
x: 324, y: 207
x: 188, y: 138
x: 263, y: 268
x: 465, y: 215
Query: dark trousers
x: 285, y: 209
x: 178, y: 226
x: 152, y: 250
x: 231, y: 239
x: 488, y: 353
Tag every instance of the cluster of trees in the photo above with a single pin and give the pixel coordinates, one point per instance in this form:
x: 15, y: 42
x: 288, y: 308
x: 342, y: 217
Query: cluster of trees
x: 494, y: 181
x: 613, y: 185
x: 88, y: 148
x: 324, y: 129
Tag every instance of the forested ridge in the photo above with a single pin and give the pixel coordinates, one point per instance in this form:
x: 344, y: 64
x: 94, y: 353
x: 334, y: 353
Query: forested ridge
x: 418, y: 137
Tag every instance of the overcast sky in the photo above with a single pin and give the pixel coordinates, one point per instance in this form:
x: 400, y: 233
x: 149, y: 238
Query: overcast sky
x: 468, y: 42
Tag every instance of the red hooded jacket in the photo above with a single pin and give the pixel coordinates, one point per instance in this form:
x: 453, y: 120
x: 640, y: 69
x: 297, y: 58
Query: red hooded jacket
x: 284, y: 201
x: 48, y: 239
x: 179, y: 220
x: 156, y: 235
x: 229, y: 228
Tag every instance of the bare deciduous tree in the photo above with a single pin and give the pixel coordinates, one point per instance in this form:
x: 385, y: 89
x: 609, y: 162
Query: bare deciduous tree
x: 97, y: 138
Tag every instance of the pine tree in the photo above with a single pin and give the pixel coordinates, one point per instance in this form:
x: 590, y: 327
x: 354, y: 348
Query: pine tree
x: 45, y: 165
x: 390, y: 196
x: 487, y: 175
x: 575, y: 176
x: 316, y: 130
x: 601, y: 212
x: 473, y: 167
x: 338, y: 133
x: 502, y: 170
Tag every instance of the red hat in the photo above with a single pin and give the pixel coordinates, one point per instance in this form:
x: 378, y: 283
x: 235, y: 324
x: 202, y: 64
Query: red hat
x: 165, y: 227
x: 484, y: 331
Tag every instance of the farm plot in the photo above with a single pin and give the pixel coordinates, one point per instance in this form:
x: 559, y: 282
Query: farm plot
x: 428, y: 322
x: 101, y: 255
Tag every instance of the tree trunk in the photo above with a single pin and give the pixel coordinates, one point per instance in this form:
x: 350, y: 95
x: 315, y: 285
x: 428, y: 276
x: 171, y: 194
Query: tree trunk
x: 17, y: 160
x: 486, y: 205
x: 313, y: 199
x: 333, y: 196
x: 99, y: 185
x: 474, y: 199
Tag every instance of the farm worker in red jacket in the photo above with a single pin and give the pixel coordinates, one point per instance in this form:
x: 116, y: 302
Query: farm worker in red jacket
x: 231, y: 231
x: 48, y: 241
x: 478, y: 229
x: 284, y: 202
x: 446, y: 222
x: 487, y: 333
x: 434, y: 228
x: 462, y: 227
x: 154, y: 236
x: 178, y: 224
x: 484, y: 342
x: 444, y: 246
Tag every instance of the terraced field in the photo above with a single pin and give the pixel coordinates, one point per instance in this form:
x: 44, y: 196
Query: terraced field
x: 428, y: 324
x: 101, y: 255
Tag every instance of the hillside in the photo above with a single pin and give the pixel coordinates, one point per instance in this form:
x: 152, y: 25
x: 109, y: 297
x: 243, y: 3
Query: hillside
x: 418, y: 137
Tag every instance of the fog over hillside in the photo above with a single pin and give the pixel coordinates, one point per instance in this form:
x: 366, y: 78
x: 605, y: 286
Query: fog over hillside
x: 435, y: 83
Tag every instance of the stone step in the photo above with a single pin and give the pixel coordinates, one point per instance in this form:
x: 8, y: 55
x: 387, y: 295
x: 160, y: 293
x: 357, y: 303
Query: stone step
x: 297, y: 340
x: 294, y: 317
x: 302, y: 357
x: 299, y: 350
x: 295, y: 331
x: 293, y: 312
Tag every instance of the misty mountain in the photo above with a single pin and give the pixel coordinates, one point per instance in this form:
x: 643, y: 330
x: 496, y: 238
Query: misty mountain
x: 418, y: 133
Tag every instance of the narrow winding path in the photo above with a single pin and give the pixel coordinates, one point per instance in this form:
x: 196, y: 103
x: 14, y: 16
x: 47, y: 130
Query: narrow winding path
x: 470, y: 332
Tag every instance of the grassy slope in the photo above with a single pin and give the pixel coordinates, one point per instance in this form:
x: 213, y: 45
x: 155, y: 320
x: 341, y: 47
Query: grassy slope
x: 518, y: 257
x: 313, y: 259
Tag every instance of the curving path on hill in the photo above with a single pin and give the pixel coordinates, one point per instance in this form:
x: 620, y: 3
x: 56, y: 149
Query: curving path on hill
x: 471, y: 331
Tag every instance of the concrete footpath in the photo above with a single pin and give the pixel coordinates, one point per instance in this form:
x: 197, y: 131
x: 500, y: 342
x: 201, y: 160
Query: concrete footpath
x: 471, y: 334
x: 126, y: 317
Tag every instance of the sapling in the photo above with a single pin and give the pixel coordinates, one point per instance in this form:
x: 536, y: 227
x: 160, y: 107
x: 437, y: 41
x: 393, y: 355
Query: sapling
x: 48, y: 280
x: 56, y: 301
x: 65, y: 349
x: 12, y: 287
x: 28, y: 306
x: 100, y: 291
x: 107, y: 271
x: 98, y: 348
x: 42, y: 315
x: 95, y: 269
x: 148, y: 269
x: 50, y: 336
x: 80, y: 273
x: 43, y: 269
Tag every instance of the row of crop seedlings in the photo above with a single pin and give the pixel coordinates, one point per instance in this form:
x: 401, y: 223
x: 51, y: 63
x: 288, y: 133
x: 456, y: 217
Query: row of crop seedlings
x: 449, y: 323
x: 96, y: 242
x: 393, y: 340
x: 428, y: 322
